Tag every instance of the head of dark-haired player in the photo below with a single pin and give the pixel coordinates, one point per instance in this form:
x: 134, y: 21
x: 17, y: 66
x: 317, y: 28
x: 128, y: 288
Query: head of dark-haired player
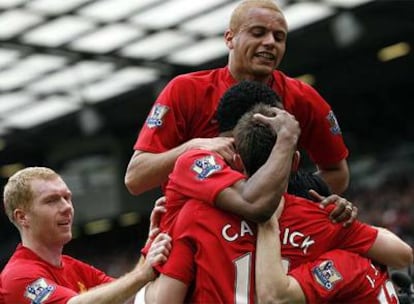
x: 240, y: 98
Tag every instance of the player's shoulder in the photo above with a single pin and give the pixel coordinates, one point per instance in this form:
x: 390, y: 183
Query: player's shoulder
x: 202, y: 76
x: 294, y: 91
x: 288, y: 81
x: 300, y: 203
x: 23, y: 269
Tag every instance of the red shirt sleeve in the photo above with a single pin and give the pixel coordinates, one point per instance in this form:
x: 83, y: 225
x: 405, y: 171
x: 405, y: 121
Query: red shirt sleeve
x: 202, y: 175
x: 164, y: 126
x: 358, y: 238
x: 184, y: 109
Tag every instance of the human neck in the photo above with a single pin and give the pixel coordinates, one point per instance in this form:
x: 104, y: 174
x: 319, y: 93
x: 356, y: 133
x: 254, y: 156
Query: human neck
x: 49, y: 253
x: 239, y: 75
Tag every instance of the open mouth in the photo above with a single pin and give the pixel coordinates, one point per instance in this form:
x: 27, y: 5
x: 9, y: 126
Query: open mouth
x: 266, y: 56
x: 65, y: 223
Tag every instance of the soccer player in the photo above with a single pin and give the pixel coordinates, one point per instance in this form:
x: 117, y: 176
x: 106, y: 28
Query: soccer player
x: 183, y: 116
x: 336, y: 276
x: 39, y: 203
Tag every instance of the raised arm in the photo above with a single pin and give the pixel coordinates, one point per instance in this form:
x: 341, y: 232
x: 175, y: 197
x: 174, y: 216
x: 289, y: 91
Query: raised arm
x: 257, y: 197
x: 335, y: 175
x: 147, y: 170
x: 272, y: 284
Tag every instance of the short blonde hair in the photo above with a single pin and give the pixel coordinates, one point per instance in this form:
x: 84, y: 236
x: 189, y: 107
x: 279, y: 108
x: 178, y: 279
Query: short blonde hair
x: 18, y: 192
x: 238, y: 15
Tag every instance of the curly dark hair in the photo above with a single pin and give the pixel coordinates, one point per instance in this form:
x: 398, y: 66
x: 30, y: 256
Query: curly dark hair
x: 240, y: 98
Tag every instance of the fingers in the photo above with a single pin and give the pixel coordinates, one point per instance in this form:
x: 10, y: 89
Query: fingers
x: 281, y: 122
x: 224, y: 146
x: 331, y: 199
x: 354, y: 214
x: 153, y: 233
x: 155, y: 217
x: 227, y: 153
x: 160, y: 201
x: 268, y: 119
x: 344, y: 210
x: 159, y: 250
x: 318, y: 197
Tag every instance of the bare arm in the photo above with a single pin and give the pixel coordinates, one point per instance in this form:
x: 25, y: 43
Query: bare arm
x: 272, y: 284
x: 124, y: 288
x: 336, y: 176
x: 147, y: 170
x: 390, y: 250
x: 257, y: 197
x: 166, y: 290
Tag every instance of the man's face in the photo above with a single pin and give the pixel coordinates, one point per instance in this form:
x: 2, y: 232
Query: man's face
x: 259, y: 44
x: 49, y: 221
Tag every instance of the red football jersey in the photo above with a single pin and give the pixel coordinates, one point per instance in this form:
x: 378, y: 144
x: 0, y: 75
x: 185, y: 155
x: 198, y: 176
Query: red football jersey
x: 213, y: 253
x: 340, y: 276
x: 28, y: 279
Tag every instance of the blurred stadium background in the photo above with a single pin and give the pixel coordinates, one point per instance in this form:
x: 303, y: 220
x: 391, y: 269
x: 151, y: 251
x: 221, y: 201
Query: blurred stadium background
x: 77, y: 78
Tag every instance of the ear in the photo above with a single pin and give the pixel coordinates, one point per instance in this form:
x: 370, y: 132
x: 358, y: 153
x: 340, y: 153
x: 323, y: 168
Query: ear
x: 21, y: 218
x: 228, y: 38
x: 296, y: 161
x: 237, y: 163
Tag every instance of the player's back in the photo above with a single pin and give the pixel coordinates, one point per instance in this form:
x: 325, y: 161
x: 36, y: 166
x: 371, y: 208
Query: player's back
x: 306, y: 232
x: 224, y: 253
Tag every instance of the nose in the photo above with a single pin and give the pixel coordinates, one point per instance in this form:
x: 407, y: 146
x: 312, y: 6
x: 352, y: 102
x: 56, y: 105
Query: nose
x: 269, y: 39
x: 66, y: 205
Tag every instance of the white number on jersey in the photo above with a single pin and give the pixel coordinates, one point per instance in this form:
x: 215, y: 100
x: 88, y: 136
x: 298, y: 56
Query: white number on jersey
x: 242, y: 273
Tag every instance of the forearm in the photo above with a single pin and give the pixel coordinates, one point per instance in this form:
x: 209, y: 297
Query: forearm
x: 336, y: 176
x: 148, y: 170
x: 166, y: 290
x: 271, y: 280
x: 118, y: 291
x: 265, y: 187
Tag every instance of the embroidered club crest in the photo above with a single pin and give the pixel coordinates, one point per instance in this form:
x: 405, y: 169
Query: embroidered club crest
x: 155, y: 119
x: 333, y: 123
x: 39, y: 291
x: 205, y: 166
x: 326, y: 274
